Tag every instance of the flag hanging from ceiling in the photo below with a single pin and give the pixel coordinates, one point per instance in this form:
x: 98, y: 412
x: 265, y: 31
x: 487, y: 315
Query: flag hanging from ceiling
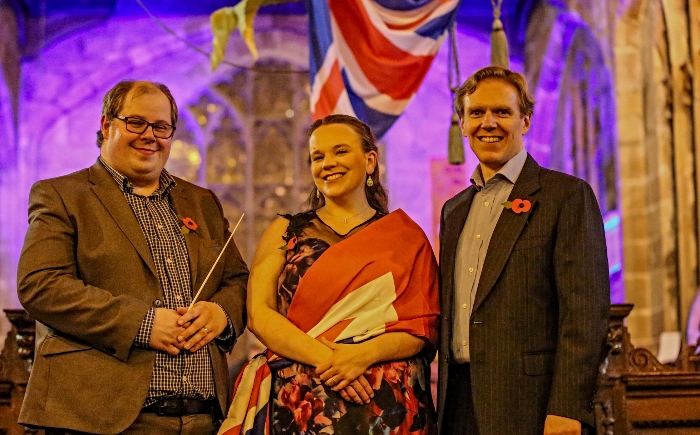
x: 368, y: 57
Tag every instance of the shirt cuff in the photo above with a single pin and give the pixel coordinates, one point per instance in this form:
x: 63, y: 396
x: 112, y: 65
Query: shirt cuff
x: 143, y: 336
x: 227, y: 338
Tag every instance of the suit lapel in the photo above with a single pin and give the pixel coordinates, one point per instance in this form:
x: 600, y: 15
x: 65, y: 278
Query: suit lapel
x: 184, y: 207
x: 113, y: 199
x: 508, y: 230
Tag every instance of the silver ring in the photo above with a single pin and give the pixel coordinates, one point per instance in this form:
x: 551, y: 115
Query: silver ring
x: 205, y: 329
x: 333, y: 379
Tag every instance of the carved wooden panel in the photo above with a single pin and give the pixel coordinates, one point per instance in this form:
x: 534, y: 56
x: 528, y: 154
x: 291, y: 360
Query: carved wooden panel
x: 15, y: 364
x: 639, y: 395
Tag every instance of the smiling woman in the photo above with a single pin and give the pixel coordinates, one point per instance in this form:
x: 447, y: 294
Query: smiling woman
x: 361, y: 330
x: 336, y: 130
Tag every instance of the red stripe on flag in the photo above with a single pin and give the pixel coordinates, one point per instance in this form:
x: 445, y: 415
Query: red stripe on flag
x: 330, y: 93
x: 337, y: 329
x: 391, y: 70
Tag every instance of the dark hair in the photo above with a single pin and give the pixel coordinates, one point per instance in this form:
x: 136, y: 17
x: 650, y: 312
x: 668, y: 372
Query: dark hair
x: 525, y: 101
x: 113, y: 102
x: 376, y: 195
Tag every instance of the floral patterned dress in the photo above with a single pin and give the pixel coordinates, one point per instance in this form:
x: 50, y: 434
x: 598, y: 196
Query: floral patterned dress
x: 302, y: 404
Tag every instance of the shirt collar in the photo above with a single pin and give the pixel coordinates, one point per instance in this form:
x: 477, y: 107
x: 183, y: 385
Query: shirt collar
x: 510, y: 171
x: 165, y: 183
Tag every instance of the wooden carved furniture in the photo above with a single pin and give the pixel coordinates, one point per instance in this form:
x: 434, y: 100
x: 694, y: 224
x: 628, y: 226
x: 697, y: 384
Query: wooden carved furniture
x: 637, y: 395
x: 15, y: 364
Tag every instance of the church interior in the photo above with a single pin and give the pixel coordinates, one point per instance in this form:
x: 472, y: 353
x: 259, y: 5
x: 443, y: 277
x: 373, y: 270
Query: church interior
x: 617, y: 91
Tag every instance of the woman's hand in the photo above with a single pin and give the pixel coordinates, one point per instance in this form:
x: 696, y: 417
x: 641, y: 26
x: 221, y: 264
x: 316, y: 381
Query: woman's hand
x: 345, y: 368
x: 359, y: 391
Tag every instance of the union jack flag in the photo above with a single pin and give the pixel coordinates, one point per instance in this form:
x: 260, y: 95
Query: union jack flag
x: 368, y: 57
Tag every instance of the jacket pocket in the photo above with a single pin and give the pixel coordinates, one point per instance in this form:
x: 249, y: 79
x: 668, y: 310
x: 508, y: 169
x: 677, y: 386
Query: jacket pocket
x: 530, y: 242
x: 55, y: 345
x: 538, y: 363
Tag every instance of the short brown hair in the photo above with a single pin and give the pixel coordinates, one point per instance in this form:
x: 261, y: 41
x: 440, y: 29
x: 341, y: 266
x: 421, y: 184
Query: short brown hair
x: 526, y: 103
x: 113, y: 102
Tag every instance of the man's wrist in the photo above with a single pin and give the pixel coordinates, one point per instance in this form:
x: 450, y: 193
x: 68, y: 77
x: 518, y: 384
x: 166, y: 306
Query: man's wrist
x: 226, y: 339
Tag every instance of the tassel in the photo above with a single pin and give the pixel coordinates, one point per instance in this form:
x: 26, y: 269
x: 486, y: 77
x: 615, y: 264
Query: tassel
x: 455, y: 147
x: 499, y: 43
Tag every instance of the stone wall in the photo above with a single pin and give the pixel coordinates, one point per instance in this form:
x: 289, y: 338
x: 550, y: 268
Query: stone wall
x: 637, y: 59
x: 658, y: 164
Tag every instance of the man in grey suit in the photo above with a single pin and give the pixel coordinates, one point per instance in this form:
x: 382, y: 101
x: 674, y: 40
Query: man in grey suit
x: 111, y: 261
x: 524, y: 279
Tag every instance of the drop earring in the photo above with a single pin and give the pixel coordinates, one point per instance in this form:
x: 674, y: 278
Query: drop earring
x: 318, y: 194
x: 370, y: 183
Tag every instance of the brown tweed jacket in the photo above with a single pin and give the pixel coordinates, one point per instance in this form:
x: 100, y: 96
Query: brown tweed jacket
x: 539, y: 321
x: 86, y: 274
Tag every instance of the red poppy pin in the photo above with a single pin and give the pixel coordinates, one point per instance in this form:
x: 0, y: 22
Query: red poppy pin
x: 190, y: 225
x: 518, y: 205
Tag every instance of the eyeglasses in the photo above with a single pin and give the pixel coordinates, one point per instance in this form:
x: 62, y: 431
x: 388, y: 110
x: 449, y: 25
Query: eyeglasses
x: 138, y: 126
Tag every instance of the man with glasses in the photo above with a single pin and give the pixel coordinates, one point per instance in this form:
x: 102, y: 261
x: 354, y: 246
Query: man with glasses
x: 113, y: 257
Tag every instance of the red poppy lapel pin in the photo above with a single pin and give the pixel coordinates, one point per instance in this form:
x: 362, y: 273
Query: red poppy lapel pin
x: 518, y: 205
x: 189, y: 225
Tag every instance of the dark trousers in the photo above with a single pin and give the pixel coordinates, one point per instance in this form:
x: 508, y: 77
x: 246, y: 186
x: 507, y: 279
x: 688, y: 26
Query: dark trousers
x: 153, y: 424
x: 459, y: 417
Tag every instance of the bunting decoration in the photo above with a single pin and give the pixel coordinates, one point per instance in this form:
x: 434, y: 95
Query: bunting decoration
x: 225, y: 20
x: 369, y: 57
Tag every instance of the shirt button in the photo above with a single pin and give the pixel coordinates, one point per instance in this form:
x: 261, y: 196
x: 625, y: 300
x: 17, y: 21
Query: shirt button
x: 486, y: 203
x: 167, y: 260
x: 184, y: 379
x: 471, y: 270
x: 160, y: 227
x: 464, y: 342
x: 464, y: 306
x: 478, y: 236
x: 178, y: 297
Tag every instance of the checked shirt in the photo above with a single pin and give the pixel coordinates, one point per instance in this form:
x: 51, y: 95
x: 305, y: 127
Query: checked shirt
x: 186, y: 375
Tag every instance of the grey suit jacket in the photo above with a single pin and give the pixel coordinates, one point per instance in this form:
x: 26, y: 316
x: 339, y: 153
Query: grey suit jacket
x: 540, y: 316
x: 87, y: 276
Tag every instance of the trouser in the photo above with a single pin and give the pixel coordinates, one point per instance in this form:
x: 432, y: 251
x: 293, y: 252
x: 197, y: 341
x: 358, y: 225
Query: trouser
x: 148, y: 423
x: 458, y: 417
x: 154, y: 424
